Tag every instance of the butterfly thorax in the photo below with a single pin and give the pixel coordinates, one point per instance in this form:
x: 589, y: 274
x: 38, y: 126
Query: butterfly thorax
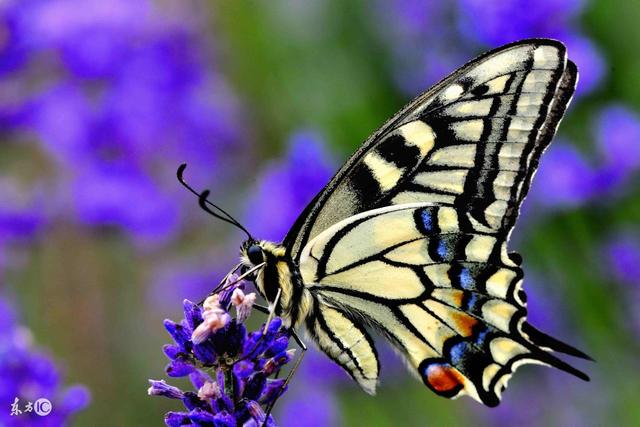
x: 280, y: 276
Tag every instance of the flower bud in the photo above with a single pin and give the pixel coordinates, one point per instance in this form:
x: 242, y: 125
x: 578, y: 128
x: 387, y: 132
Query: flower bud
x: 161, y: 388
x: 243, y: 304
x: 209, y: 390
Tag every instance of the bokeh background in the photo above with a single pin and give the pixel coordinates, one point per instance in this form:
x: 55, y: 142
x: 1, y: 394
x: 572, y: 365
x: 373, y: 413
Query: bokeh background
x: 101, y: 101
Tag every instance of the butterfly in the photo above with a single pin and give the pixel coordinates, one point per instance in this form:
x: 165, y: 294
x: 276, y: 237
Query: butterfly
x: 409, y: 238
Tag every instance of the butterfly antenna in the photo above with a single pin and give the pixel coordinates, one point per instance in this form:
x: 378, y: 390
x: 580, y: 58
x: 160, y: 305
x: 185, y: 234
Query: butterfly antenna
x: 204, y: 202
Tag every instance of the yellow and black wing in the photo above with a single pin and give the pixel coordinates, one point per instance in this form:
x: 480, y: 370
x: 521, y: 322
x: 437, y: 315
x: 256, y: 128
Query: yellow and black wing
x: 472, y: 141
x: 410, y: 235
x: 450, y: 300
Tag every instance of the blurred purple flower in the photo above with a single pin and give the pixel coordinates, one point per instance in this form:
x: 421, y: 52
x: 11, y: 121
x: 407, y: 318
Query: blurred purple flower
x: 14, y: 44
x: 287, y: 185
x: 499, y: 22
x: 311, y: 406
x: 27, y: 374
x: 540, y: 398
x: 592, y: 67
x: 116, y: 90
x: 91, y: 42
x: 623, y: 257
x: 240, y: 365
x: 564, y: 179
x: 617, y: 133
x: 191, y: 279
x: 422, y: 40
x: 21, y: 217
x: 543, y: 308
x: 320, y: 371
x: 429, y: 39
x: 495, y: 23
x: 126, y: 197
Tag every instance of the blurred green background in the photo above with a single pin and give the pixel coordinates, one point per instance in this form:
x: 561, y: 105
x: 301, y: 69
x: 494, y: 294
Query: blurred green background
x: 339, y: 69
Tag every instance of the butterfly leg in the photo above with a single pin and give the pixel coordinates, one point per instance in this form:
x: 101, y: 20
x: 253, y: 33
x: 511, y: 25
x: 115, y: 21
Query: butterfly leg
x: 272, y: 309
x: 261, y: 308
x: 303, y: 347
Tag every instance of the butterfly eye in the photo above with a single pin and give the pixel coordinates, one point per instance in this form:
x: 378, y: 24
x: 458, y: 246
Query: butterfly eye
x: 255, y: 254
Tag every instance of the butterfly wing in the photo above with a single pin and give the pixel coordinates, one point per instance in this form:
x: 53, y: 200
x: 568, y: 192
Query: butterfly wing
x: 472, y: 141
x: 448, y: 298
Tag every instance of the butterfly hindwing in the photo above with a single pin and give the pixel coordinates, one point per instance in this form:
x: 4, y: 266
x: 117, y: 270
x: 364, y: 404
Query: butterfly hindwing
x: 346, y: 342
x: 472, y: 141
x: 450, y: 302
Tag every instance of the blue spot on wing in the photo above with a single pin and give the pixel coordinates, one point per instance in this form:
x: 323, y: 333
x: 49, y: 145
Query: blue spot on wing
x: 466, y: 279
x: 442, y: 250
x: 473, y: 300
x: 482, y: 336
x: 427, y: 220
x: 458, y: 352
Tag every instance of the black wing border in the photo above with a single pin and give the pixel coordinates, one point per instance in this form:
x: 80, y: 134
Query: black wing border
x: 547, y: 132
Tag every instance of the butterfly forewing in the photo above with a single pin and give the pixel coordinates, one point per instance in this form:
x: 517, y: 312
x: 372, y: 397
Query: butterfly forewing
x: 472, y: 141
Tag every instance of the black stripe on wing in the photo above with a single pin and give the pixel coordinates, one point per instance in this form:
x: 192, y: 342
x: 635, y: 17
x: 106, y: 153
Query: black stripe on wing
x: 495, y: 105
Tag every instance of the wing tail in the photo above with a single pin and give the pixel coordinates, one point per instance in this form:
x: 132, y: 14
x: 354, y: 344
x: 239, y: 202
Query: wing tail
x: 543, y: 340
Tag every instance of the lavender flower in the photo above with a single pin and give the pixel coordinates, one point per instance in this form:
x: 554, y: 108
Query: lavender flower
x: 495, y: 23
x: 27, y: 374
x: 20, y: 218
x: 111, y: 92
x: 617, y: 134
x: 229, y: 368
x: 286, y: 186
x: 565, y: 178
x: 319, y: 407
x: 623, y: 257
x: 175, y: 279
x: 429, y: 39
x: 422, y: 39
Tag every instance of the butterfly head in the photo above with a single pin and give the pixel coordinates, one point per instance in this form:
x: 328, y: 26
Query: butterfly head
x: 252, y: 255
x: 277, y: 279
x: 261, y: 255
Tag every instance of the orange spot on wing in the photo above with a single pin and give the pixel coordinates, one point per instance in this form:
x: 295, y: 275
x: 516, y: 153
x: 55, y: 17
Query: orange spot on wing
x: 456, y: 297
x: 464, y: 323
x: 444, y: 379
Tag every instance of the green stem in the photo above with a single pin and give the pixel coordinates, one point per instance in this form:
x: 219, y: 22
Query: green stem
x: 228, y: 384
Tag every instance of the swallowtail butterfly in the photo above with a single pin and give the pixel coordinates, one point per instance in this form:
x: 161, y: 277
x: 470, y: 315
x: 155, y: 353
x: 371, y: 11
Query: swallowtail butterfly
x: 409, y: 238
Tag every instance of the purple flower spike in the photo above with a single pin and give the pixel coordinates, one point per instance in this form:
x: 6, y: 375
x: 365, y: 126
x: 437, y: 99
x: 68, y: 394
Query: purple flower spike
x: 623, y: 256
x: 565, y: 179
x: 500, y: 22
x: 110, y: 92
x: 228, y: 368
x: 27, y: 374
x: 179, y: 334
x: 176, y: 419
x: 618, y: 137
x: 179, y: 367
x: 288, y: 185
